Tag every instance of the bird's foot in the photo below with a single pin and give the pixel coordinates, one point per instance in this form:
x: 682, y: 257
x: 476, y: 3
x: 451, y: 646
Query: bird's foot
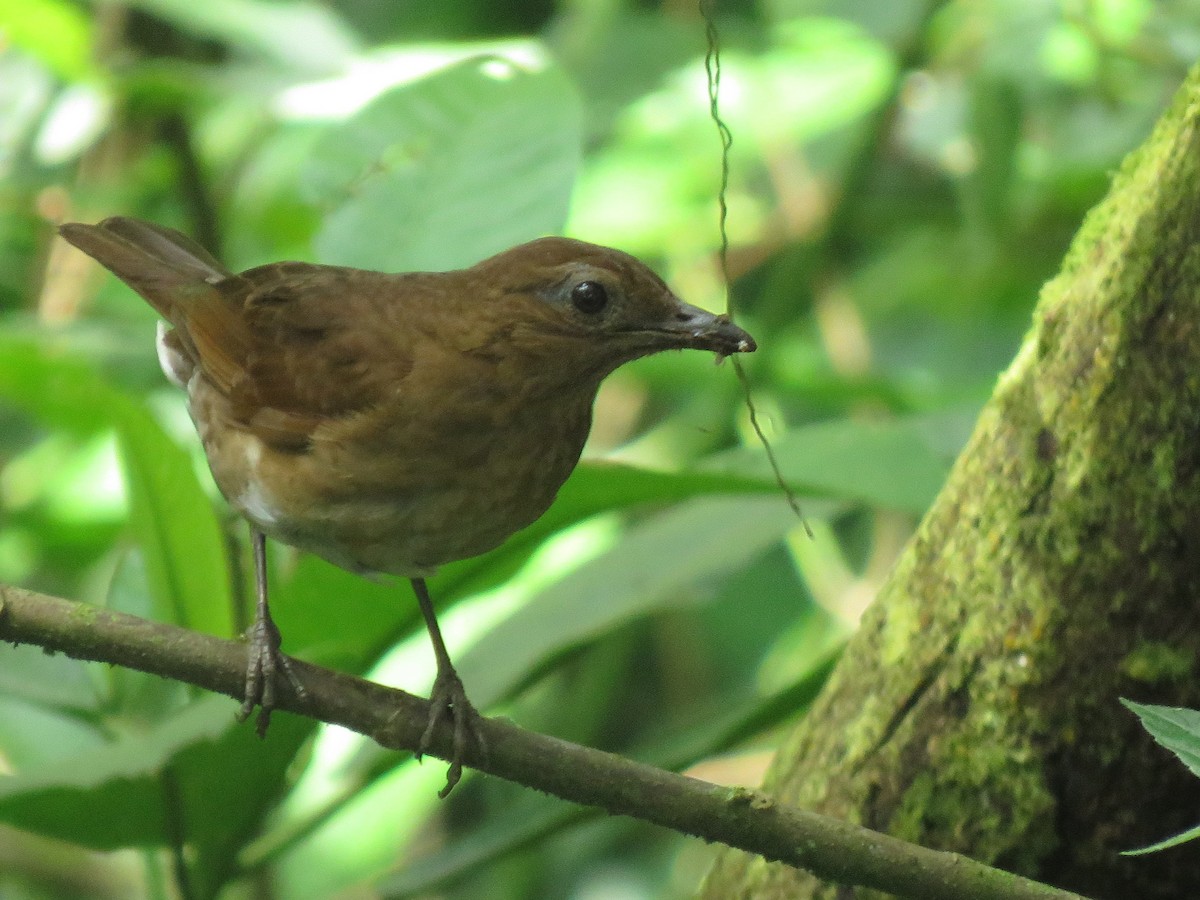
x: 264, y: 662
x: 449, y: 698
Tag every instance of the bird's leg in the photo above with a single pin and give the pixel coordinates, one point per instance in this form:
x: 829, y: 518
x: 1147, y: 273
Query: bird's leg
x: 264, y: 658
x: 447, y: 697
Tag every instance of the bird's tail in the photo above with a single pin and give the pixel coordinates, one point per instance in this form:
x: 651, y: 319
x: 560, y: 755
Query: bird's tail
x: 159, y: 263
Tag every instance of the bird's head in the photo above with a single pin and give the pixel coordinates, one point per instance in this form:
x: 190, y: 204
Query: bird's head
x: 593, y: 308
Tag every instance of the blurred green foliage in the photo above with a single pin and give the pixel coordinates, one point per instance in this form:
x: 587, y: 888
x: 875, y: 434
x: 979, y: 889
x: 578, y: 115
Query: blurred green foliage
x: 904, y: 176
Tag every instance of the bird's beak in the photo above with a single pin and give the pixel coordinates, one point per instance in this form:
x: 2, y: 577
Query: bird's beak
x: 699, y: 329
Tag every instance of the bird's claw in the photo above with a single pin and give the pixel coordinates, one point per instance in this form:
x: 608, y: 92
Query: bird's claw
x: 264, y: 662
x: 449, y: 698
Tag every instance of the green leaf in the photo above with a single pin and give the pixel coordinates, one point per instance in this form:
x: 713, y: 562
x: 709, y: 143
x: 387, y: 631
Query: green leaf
x: 47, y: 380
x: 823, y: 73
x: 30, y: 674
x: 596, y: 487
x: 227, y: 788
x: 32, y: 734
x: 1178, y: 730
x: 892, y: 464
x: 360, y: 842
x: 657, y: 564
x: 996, y: 118
x: 448, y: 170
x: 174, y: 523
x: 135, y: 790
x: 171, y: 516
x: 1182, y: 838
x: 337, y: 618
x: 534, y: 817
x: 51, y: 30
x: 110, y: 796
x: 307, y: 36
x: 1175, y: 728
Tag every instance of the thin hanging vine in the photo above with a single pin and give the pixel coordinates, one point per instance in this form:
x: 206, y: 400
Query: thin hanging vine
x: 712, y: 68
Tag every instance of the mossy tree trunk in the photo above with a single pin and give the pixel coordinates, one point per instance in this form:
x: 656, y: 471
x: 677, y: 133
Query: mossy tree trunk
x: 977, y: 709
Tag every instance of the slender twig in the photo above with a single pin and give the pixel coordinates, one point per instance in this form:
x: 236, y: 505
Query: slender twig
x: 742, y: 818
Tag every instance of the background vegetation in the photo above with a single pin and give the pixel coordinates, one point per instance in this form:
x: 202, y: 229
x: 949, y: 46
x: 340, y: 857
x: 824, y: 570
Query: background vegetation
x: 904, y: 177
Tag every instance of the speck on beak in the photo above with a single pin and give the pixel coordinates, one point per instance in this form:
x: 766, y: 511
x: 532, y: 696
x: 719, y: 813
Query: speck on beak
x: 699, y: 329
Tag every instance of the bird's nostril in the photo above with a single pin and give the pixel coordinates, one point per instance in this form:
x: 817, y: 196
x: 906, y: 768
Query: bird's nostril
x: 682, y: 316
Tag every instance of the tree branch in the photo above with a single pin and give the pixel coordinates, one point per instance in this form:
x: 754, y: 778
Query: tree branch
x: 739, y: 817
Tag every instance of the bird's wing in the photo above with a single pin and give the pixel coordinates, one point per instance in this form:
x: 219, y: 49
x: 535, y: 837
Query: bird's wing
x: 314, y: 346
x: 290, y: 345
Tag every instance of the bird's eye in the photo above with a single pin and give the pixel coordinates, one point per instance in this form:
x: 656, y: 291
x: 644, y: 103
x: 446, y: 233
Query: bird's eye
x: 589, y: 297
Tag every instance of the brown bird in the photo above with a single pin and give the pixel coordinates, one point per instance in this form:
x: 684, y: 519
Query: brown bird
x: 395, y: 422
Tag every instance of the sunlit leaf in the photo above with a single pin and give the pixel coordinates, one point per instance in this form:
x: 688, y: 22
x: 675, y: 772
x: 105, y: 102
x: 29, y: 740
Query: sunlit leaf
x: 893, y: 464
x: 54, y: 31
x: 658, y: 564
x: 170, y: 514
x: 443, y: 172
x: 175, y: 524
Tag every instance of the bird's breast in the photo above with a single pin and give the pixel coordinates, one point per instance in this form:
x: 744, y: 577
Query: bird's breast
x: 406, y: 489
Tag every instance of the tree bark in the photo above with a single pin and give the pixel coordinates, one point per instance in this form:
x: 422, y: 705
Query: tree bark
x: 977, y: 708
